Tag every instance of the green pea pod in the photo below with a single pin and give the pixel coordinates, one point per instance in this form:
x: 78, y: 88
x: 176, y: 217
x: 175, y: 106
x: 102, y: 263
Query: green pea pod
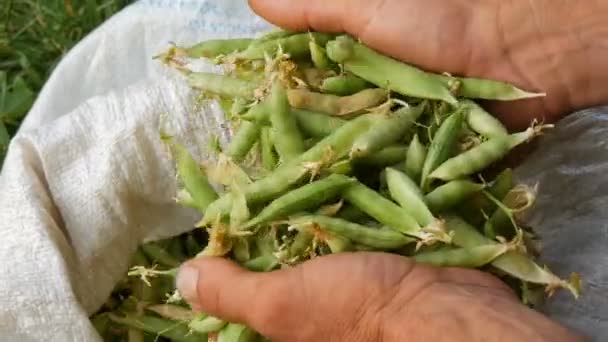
x: 301, y: 243
x: 387, y: 156
x: 240, y: 249
x: 236, y: 333
x: 158, y: 254
x: 343, y: 167
x: 339, y: 244
x: 384, y: 71
x: 450, y: 194
x: 472, y: 257
x: 172, y: 312
x: 514, y: 263
x: 222, y: 85
x: 216, y: 47
x: 405, y: 192
x: 295, y: 45
x: 383, y: 239
x: 387, y: 130
x: 483, y: 122
x: 441, y: 146
x: 337, y: 105
x: 472, y: 161
x: 194, y: 179
x: 476, y: 88
x: 329, y: 150
x: 313, y: 124
x: 243, y: 141
x: 205, y: 324
x: 344, y: 85
x: 272, y: 35
x: 353, y: 214
x: 287, y: 138
x: 306, y: 197
x: 414, y: 160
x: 318, y: 56
x: 269, y: 156
x: 176, y: 331
x: 264, y: 263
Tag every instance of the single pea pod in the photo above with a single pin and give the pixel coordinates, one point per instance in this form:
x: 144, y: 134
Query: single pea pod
x: 483, y: 122
x: 318, y: 55
x: 222, y: 85
x: 159, y: 326
x: 306, y: 197
x: 273, y: 35
x: 194, y: 179
x: 337, y: 105
x: 387, y: 129
x: 339, y: 244
x: 263, y: 263
x: 236, y: 333
x: 414, y: 159
x: 472, y: 257
x: 387, y: 72
x: 514, y: 263
x: 344, y: 85
x: 312, y: 124
x: 242, y: 142
x: 329, y: 150
x: 296, y: 45
x: 441, y: 146
x: 450, y: 194
x: 383, y: 239
x: 268, y: 153
x: 476, y: 88
x: 387, y: 156
x: 474, y: 160
x: 286, y: 135
x: 409, y: 196
x: 205, y: 324
x: 217, y: 47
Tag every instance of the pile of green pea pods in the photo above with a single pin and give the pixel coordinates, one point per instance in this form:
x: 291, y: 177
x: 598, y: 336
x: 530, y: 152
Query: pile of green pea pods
x: 336, y: 148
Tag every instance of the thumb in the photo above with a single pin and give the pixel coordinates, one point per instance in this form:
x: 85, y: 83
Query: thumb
x: 221, y: 288
x: 319, y: 15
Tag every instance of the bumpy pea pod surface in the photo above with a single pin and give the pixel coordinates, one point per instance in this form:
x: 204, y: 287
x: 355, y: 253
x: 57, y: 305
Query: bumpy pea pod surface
x: 222, y: 85
x: 216, y: 47
x: 387, y: 156
x: 451, y: 193
x: 476, y: 88
x: 268, y: 154
x: 386, y: 72
x: 414, y: 160
x: 295, y: 45
x: 287, y: 138
x: 344, y: 85
x: 483, y: 122
x: 312, y: 124
x: 318, y: 55
x: 336, y: 105
x: 387, y: 129
x: 303, y: 198
x: 242, y: 142
x: 194, y: 179
x: 472, y: 257
x: 382, y: 239
x: 405, y: 192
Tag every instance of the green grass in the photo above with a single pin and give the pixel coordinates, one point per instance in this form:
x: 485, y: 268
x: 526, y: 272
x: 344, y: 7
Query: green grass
x: 34, y: 35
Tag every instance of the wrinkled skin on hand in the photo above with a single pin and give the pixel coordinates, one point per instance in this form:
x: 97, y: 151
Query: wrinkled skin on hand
x: 557, y: 47
x: 365, y: 297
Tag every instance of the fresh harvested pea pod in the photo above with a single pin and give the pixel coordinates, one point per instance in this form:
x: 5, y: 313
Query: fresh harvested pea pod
x: 384, y: 71
x: 205, y: 324
x: 338, y: 244
x: 441, y: 146
x: 269, y: 156
x: 472, y: 257
x: 286, y: 135
x: 405, y: 192
x: 336, y: 105
x: 295, y: 45
x: 217, y: 47
x: 329, y: 150
x: 514, y: 263
x: 242, y: 142
x: 306, y: 197
x: 353, y: 214
x: 240, y: 249
x: 313, y: 124
x: 176, y: 331
x: 384, y: 239
x: 450, y: 194
x: 172, y: 312
x: 301, y: 244
x: 344, y: 85
x: 236, y: 333
x: 414, y: 159
x: 272, y: 35
x: 263, y: 263
x: 472, y: 161
x: 476, y: 88
x: 318, y: 56
x: 388, y: 129
x: 314, y: 77
x: 222, y: 85
x: 387, y: 156
x: 194, y: 179
x: 343, y: 167
x: 483, y: 122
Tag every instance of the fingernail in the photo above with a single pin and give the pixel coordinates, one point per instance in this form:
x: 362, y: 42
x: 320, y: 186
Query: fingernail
x: 186, y: 282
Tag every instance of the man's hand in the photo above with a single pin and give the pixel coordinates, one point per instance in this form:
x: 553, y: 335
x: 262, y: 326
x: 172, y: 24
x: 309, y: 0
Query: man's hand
x: 365, y: 297
x: 557, y: 47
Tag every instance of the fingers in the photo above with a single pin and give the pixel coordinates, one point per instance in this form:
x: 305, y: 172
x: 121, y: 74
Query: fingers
x: 318, y: 15
x: 221, y: 288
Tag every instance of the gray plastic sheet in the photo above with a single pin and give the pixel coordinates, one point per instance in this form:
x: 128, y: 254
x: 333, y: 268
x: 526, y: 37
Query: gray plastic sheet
x: 571, y: 167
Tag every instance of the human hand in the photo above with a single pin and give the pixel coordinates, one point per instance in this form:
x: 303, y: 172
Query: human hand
x: 365, y: 297
x: 557, y: 47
